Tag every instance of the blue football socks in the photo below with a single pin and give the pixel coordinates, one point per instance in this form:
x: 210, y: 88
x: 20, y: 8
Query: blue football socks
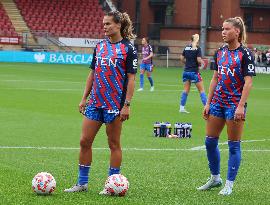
x: 113, y: 170
x: 83, y: 174
x: 213, y: 154
x: 141, y: 80
x: 203, y: 98
x: 183, y: 99
x: 151, y: 81
x: 234, y: 159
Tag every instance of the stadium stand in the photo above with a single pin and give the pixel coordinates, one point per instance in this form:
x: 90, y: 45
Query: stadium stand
x: 7, y: 29
x: 64, y: 18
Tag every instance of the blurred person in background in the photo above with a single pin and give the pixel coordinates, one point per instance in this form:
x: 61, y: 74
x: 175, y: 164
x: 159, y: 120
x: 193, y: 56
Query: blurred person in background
x: 192, y: 58
x: 268, y: 57
x: 147, y: 64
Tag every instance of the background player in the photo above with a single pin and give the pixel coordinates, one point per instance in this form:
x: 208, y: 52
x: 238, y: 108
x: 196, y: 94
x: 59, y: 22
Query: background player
x: 228, y: 93
x: 147, y: 64
x: 110, y: 85
x: 191, y: 57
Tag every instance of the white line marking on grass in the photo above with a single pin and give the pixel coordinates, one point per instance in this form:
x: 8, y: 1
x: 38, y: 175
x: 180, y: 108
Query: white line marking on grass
x: 225, y: 143
x: 43, y: 89
x: 42, y: 81
x: 96, y: 148
x: 200, y: 148
x: 73, y: 89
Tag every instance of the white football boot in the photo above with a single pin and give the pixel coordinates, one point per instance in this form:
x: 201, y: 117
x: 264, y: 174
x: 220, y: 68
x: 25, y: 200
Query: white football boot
x: 105, y: 192
x: 183, y: 110
x: 77, y: 188
x: 227, y: 189
x: 211, y: 183
x: 140, y: 89
x: 152, y: 89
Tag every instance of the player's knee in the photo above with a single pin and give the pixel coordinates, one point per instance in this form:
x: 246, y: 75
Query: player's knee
x: 114, y: 145
x: 85, y: 144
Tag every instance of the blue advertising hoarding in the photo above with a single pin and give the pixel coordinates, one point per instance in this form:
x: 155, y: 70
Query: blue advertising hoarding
x: 45, y: 57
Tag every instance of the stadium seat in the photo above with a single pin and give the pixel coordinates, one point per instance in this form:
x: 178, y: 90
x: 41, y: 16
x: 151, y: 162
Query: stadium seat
x: 7, y: 29
x: 68, y: 15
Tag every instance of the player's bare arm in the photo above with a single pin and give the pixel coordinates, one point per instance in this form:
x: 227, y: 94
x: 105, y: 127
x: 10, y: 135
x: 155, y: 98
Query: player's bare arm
x: 87, y: 90
x: 211, y: 90
x: 125, y: 112
x: 239, y: 113
x: 182, y: 59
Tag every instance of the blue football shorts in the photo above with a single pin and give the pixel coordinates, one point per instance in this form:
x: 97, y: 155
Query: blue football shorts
x: 100, y: 114
x: 193, y: 77
x: 147, y: 67
x: 223, y: 112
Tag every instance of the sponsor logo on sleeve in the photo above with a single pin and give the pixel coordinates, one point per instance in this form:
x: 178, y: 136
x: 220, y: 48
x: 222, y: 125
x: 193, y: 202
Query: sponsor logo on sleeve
x: 251, y: 68
x: 135, y: 63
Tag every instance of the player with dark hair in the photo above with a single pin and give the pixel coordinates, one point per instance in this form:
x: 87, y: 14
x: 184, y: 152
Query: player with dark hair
x: 147, y: 64
x: 227, y: 102
x: 110, y: 85
x: 192, y: 57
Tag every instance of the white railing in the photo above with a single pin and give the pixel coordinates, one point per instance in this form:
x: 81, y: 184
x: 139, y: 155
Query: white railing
x: 111, y: 5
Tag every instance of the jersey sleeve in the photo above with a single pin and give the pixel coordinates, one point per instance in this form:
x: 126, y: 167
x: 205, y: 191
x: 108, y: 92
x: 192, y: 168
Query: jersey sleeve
x: 248, y: 63
x: 150, y: 49
x: 132, y: 59
x: 199, y: 52
x: 184, y: 53
x: 93, y: 63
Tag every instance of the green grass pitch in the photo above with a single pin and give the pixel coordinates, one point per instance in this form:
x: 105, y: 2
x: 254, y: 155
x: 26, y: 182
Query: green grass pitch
x: 39, y: 108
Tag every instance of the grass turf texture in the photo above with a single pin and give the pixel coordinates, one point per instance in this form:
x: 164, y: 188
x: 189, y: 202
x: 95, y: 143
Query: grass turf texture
x: 38, y: 107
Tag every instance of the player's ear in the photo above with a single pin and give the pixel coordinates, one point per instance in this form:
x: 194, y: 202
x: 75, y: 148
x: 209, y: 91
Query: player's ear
x: 119, y: 26
x: 237, y: 30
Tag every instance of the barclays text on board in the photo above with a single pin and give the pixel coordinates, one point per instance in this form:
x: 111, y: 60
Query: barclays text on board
x: 45, y: 57
x: 263, y: 69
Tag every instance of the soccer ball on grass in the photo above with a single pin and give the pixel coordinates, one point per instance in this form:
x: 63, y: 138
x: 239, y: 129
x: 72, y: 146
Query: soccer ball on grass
x: 43, y: 183
x: 117, y: 185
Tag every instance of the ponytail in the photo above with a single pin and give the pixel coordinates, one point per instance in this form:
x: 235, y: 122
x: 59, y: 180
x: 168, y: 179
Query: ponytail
x: 195, y: 39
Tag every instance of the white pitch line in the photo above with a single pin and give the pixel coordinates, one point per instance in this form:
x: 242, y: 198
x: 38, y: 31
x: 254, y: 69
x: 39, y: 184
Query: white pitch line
x: 78, y: 82
x: 73, y: 89
x: 225, y: 143
x: 124, y: 149
x: 96, y: 148
x: 43, y: 81
x: 43, y: 89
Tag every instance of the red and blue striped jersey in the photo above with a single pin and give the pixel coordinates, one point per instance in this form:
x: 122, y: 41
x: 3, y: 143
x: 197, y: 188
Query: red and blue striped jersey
x: 111, y: 63
x: 232, y: 67
x: 146, y: 51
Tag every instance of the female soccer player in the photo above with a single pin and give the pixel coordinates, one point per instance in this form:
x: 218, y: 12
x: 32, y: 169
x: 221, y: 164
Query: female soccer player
x: 191, y: 56
x: 227, y: 102
x: 147, y: 64
x: 110, y: 85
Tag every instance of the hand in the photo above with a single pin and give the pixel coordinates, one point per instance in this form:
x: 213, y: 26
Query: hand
x: 239, y: 113
x: 82, y: 105
x: 124, y: 113
x: 152, y: 68
x: 206, y: 111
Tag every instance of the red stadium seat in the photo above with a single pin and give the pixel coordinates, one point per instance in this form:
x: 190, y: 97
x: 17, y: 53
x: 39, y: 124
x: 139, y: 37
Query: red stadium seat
x: 75, y: 18
x: 7, y: 28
